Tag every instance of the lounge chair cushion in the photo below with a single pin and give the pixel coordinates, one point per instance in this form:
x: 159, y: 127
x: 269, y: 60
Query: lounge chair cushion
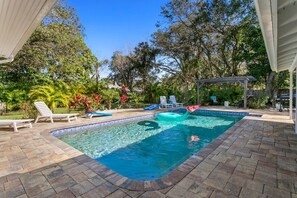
x: 97, y: 113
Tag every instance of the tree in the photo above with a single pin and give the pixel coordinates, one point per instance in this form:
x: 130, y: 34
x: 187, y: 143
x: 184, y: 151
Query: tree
x: 97, y: 74
x: 255, y: 56
x: 122, y: 69
x: 138, y: 66
x: 56, y: 50
x: 144, y: 61
x: 202, y: 39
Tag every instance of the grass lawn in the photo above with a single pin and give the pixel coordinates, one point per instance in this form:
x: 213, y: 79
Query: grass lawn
x: 12, y: 115
x: 19, y: 114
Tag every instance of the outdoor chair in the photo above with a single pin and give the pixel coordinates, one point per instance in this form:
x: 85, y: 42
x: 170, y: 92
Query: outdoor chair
x: 46, y: 113
x: 174, y: 103
x: 163, y: 102
x: 214, y: 100
x: 15, y: 124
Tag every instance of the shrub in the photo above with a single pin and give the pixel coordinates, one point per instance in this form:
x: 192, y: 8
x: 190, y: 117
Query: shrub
x: 110, y: 95
x: 29, y: 111
x: 135, y: 100
x: 258, y: 101
x: 228, y: 92
x: 88, y: 103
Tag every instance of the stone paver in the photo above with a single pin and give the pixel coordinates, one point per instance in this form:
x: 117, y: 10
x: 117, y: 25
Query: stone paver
x: 254, y: 158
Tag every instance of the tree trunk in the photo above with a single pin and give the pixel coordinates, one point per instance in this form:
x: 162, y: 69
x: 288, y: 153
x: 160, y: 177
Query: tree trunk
x: 269, y: 82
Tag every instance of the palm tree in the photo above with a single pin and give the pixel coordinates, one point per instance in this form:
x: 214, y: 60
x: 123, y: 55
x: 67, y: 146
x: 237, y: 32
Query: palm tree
x: 154, y: 91
x: 49, y: 94
x: 97, y: 74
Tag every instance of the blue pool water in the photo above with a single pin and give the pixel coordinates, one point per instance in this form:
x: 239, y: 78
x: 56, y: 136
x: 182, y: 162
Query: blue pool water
x: 148, y: 149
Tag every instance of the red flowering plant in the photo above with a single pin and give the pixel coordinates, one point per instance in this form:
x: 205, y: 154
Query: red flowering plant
x: 124, y: 97
x: 97, y: 99
x: 87, y: 103
x: 75, y: 102
x: 124, y: 90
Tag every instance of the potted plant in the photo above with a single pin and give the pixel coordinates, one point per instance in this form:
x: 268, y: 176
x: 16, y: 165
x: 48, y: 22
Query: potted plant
x: 206, y: 102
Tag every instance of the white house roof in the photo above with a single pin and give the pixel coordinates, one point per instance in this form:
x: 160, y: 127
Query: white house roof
x: 18, y: 20
x: 278, y: 21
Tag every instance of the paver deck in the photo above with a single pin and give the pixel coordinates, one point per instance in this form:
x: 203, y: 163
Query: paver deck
x: 254, y: 158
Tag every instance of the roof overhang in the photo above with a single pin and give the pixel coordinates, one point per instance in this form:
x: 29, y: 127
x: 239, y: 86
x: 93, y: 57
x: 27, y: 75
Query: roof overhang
x: 278, y: 21
x: 18, y: 20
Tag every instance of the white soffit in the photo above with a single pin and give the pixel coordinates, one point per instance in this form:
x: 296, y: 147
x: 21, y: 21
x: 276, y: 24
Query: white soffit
x: 18, y: 20
x: 278, y: 21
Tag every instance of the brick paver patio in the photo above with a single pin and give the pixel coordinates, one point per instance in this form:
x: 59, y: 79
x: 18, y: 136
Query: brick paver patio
x: 254, y: 158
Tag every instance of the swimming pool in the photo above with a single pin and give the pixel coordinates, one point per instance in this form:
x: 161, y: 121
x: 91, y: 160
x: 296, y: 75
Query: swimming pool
x: 148, y: 149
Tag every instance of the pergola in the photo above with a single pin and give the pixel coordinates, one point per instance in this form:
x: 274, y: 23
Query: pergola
x: 243, y: 80
x: 278, y: 21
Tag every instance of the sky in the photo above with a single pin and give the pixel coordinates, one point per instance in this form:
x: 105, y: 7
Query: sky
x: 112, y: 25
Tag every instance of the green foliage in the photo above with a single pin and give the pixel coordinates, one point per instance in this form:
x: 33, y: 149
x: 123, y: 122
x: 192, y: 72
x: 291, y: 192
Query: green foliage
x: 28, y: 110
x: 189, y: 97
x: 154, y: 91
x: 12, y: 96
x: 136, y: 99
x: 203, y: 39
x: 143, y: 60
x: 109, y: 96
x: 55, y: 51
x: 231, y: 93
x: 52, y: 95
x: 198, y: 39
x: 137, y: 68
x: 122, y: 70
x: 258, y: 101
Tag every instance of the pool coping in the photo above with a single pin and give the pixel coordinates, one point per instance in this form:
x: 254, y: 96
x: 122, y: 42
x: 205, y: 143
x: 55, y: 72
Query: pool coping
x: 172, y: 178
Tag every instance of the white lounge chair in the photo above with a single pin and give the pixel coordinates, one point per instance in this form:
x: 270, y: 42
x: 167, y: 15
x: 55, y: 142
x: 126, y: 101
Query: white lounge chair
x: 173, y: 101
x: 214, y: 99
x: 163, y: 102
x: 15, y: 124
x: 46, y: 113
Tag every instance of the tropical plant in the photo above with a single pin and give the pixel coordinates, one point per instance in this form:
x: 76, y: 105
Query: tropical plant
x: 258, y: 101
x: 136, y: 99
x: 154, y: 91
x: 87, y: 103
x: 29, y: 111
x: 50, y: 95
x: 97, y: 74
x: 97, y: 98
x: 123, y: 100
x: 13, y: 97
x: 110, y: 95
